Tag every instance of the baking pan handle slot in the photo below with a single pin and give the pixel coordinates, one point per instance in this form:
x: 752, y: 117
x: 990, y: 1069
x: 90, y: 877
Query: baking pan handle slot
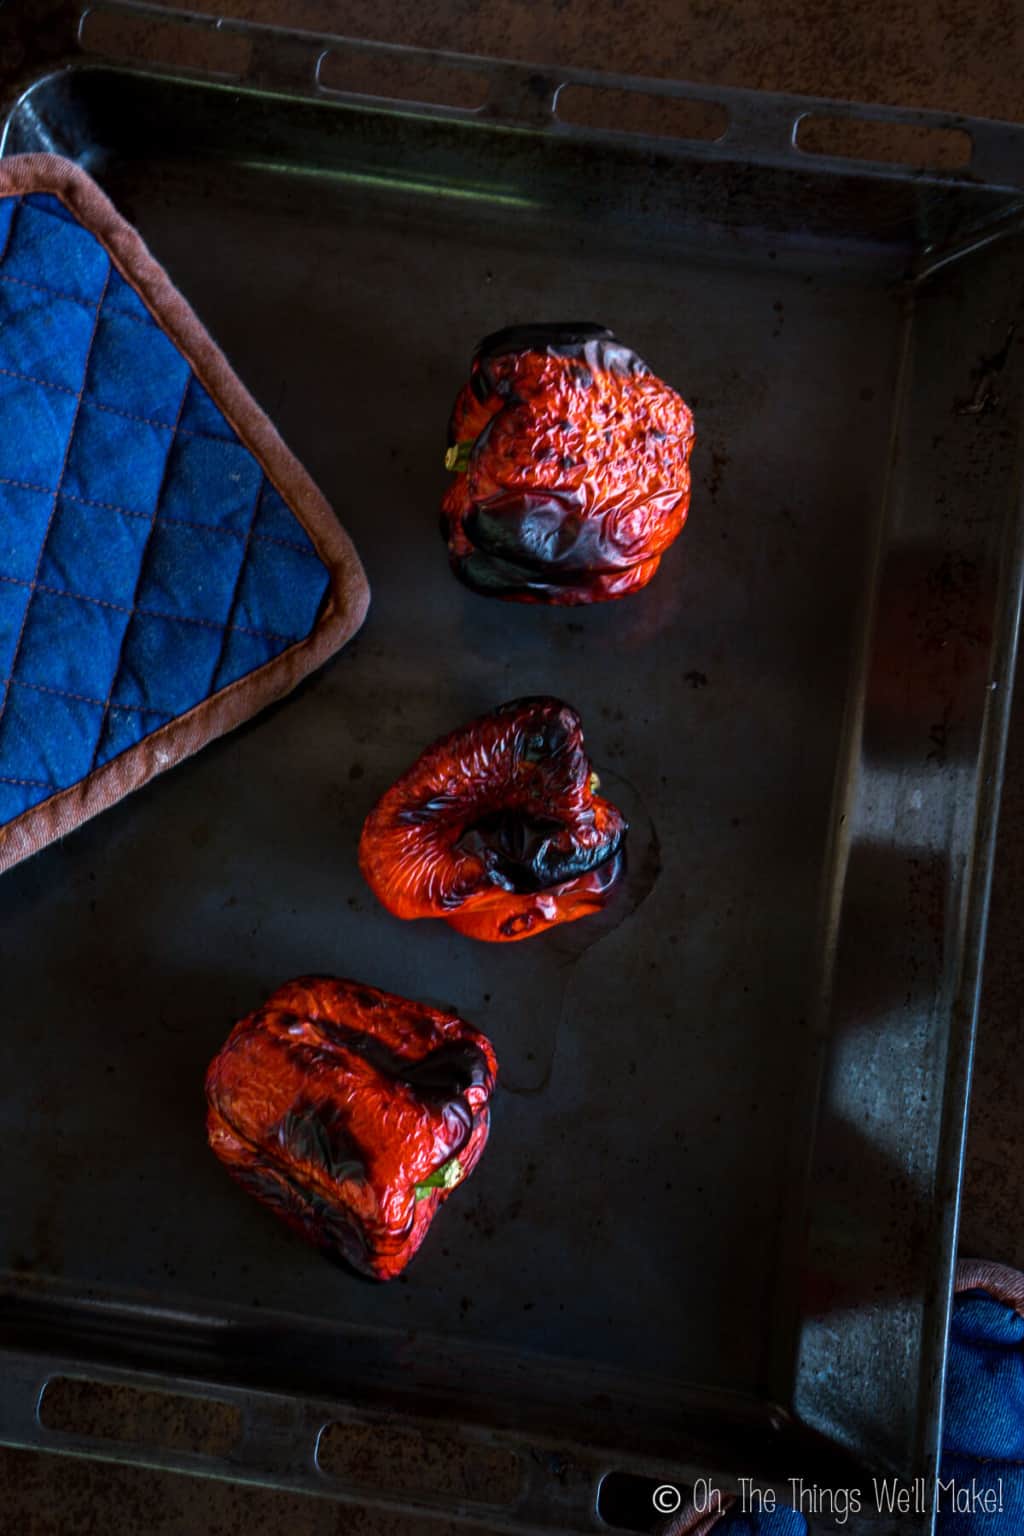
x: 50, y: 1406
x: 861, y: 136
x: 656, y: 115
x: 397, y: 76
x: 163, y: 1420
x: 464, y: 1472
x: 405, y: 1466
x: 901, y: 141
x: 628, y: 1502
x: 421, y: 1459
x: 177, y: 41
x: 149, y: 1422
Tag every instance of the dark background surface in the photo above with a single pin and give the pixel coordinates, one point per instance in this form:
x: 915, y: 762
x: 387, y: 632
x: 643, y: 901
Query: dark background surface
x: 909, y: 53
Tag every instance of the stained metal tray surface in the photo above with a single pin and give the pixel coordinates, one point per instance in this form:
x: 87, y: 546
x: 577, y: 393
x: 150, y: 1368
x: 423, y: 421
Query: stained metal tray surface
x: 714, y: 1229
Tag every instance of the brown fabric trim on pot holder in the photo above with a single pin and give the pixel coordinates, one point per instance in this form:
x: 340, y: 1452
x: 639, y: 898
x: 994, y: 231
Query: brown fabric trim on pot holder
x: 1006, y: 1285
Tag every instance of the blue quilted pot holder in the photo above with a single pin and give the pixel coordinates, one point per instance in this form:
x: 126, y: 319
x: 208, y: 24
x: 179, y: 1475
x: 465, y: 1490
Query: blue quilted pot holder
x: 166, y: 566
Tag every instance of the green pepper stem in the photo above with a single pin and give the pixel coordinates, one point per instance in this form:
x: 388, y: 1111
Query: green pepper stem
x: 457, y: 457
x: 446, y: 1177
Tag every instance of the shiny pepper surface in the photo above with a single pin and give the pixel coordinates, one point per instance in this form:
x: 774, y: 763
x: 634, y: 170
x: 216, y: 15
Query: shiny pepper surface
x: 571, y: 467
x: 498, y: 828
x: 352, y: 1113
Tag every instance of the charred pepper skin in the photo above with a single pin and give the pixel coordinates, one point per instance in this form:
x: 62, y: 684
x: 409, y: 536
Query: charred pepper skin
x: 352, y: 1113
x: 497, y: 828
x: 571, y: 467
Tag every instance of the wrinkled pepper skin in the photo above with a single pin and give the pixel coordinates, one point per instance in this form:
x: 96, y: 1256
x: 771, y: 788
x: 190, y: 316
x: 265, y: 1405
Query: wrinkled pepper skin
x: 497, y: 828
x: 571, y: 467
x: 352, y: 1114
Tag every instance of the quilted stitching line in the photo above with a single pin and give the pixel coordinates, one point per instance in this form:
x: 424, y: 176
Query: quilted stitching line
x: 236, y: 533
x: 112, y: 410
x: 30, y: 378
x: 177, y: 522
x: 28, y: 783
x: 115, y: 410
x: 27, y: 485
x: 56, y: 293
x: 188, y: 522
x: 56, y: 492
x: 181, y: 618
x: 87, y: 698
x: 76, y: 298
x: 139, y: 574
x: 164, y: 426
x: 149, y: 613
x: 237, y: 587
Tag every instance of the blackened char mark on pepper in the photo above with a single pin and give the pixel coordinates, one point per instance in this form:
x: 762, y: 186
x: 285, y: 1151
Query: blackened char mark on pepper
x: 521, y: 852
x: 535, y: 530
x: 496, y: 577
x: 503, y: 578
x: 561, y: 336
x: 549, y: 534
x: 601, y: 883
x: 331, y: 1230
x: 441, y: 1078
x: 594, y: 347
x: 318, y: 1134
x: 446, y: 1071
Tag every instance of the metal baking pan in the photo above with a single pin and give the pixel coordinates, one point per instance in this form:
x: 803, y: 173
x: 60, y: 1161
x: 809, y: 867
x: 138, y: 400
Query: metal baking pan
x: 713, y: 1233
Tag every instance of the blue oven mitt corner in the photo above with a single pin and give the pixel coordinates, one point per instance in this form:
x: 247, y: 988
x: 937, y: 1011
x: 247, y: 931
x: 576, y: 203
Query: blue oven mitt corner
x: 981, y: 1482
x: 983, y: 1427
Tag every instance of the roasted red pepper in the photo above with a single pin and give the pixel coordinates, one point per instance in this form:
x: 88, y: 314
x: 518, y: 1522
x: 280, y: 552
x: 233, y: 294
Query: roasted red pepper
x: 497, y: 828
x: 352, y: 1114
x: 572, y: 467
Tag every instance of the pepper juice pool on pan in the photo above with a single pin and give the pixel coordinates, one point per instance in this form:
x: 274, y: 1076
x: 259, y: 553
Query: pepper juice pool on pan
x: 571, y: 467
x: 498, y: 828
